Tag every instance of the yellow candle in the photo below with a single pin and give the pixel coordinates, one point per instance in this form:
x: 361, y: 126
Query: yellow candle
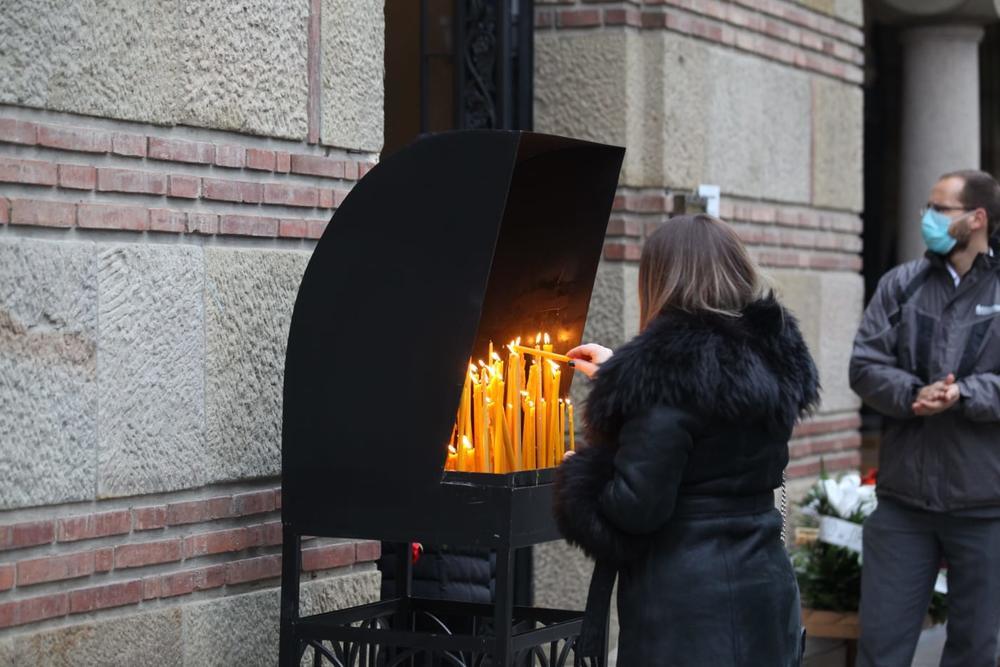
x: 542, y: 436
x: 478, y: 433
x: 451, y: 463
x: 547, y: 346
x: 562, y: 431
x: 530, y: 462
x: 572, y: 427
x: 469, y: 455
x: 514, y: 405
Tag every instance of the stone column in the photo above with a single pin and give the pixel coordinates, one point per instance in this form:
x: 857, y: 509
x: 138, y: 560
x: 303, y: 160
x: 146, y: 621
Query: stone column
x: 940, y: 118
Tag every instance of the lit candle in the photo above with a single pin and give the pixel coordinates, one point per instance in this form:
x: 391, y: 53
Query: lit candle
x: 514, y: 404
x: 478, y: 432
x: 450, y: 464
x: 553, y: 416
x: 547, y: 346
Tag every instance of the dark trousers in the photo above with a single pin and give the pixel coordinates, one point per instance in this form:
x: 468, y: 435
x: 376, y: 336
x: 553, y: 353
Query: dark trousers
x: 903, y: 548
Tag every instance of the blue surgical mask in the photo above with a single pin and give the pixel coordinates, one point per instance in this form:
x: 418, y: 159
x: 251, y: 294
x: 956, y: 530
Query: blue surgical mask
x: 934, y: 226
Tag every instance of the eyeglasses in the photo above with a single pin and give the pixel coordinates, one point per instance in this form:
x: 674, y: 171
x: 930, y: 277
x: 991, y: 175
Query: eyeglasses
x: 940, y: 209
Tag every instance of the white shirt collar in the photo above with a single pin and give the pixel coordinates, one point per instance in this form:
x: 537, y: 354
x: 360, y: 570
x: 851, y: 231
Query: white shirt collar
x: 954, y: 274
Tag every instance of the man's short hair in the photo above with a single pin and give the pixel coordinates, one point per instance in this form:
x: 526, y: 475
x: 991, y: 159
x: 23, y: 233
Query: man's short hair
x: 981, y: 190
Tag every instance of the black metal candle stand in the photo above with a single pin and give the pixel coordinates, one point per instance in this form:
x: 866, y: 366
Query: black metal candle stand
x: 460, y: 239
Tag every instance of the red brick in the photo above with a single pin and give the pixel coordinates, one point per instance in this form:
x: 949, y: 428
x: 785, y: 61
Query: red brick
x: 248, y: 225
x: 229, y: 155
x: 151, y: 588
x: 166, y: 220
x: 102, y: 216
x: 104, y: 560
x: 185, y: 186
x: 627, y: 16
x: 622, y: 252
x: 149, y: 518
x: 290, y: 195
x: 6, y: 577
x: 37, y: 609
x: 74, y: 139
x: 127, y: 180
x: 77, y: 176
x: 221, y: 541
x: 316, y: 229
x: 351, y: 170
x: 260, y: 159
x: 271, y: 534
x: 42, y: 213
x: 105, y: 597
x: 256, y: 502
x: 18, y: 132
x: 8, y: 614
x: 147, y: 553
x: 29, y: 172
x: 26, y: 534
x: 253, y: 569
x: 326, y: 198
x: 368, y: 551
x: 55, y: 568
x: 316, y: 165
x: 4, y: 210
x: 277, y: 498
x: 203, y: 223
x: 189, y: 581
x: 178, y: 150
x: 196, y: 511
x: 338, y: 197
x: 328, y: 557
x: 89, y: 526
x: 130, y: 145
x: 364, y: 168
x: 282, y: 162
x: 296, y: 229
x: 578, y: 18
x: 235, y: 191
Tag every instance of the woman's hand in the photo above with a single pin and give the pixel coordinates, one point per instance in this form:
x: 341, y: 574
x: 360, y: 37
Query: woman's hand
x: 587, y: 358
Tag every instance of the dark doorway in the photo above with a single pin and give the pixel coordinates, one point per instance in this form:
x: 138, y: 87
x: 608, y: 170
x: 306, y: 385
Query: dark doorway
x: 457, y: 64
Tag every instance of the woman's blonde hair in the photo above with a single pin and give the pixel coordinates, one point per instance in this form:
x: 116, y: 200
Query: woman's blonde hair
x: 696, y: 263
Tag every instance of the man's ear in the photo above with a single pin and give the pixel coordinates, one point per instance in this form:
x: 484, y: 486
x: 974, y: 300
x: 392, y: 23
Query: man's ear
x: 980, y: 219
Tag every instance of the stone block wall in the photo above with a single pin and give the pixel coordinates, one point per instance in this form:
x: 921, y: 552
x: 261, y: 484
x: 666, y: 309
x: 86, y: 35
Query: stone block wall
x: 165, y: 169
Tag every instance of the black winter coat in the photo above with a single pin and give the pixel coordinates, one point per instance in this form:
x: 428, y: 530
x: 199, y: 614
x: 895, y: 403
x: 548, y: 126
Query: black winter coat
x: 688, y: 426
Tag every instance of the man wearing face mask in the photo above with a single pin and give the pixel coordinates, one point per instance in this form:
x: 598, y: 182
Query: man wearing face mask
x: 927, y: 356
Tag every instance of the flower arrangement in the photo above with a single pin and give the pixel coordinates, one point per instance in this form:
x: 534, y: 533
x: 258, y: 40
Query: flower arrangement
x: 827, y: 555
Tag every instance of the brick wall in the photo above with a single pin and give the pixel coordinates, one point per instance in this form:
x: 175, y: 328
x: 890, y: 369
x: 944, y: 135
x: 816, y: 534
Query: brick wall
x: 70, y: 560
x: 72, y: 172
x: 102, y: 515
x: 776, y: 30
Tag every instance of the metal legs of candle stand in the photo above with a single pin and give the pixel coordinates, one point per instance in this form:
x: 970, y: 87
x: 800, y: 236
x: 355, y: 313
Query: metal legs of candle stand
x: 289, y: 647
x: 503, y: 612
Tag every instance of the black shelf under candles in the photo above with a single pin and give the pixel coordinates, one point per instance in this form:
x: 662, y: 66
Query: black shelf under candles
x: 460, y: 239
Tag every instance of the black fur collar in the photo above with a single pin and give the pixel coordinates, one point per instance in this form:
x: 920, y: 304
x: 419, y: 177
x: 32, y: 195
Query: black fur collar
x: 753, y: 367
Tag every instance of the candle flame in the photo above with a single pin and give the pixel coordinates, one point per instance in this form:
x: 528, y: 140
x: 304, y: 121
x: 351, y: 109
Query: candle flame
x: 466, y: 442
x: 538, y: 338
x: 496, y: 357
x: 547, y: 339
x: 452, y: 451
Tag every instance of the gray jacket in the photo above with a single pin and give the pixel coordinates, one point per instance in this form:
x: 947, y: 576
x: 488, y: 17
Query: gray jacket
x: 918, y: 328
